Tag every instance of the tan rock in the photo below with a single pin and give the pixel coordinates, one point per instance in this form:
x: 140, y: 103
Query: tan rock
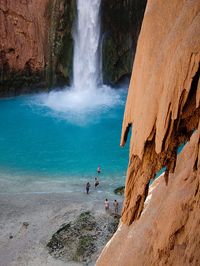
x: 163, y: 109
x: 167, y: 232
x: 163, y: 99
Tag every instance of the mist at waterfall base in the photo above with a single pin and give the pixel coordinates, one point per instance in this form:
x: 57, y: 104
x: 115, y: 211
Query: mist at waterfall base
x: 82, y: 106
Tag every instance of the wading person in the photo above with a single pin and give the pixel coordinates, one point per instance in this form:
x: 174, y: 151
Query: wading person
x: 96, y: 182
x: 106, y: 205
x: 99, y: 169
x: 87, y: 187
x: 116, y: 205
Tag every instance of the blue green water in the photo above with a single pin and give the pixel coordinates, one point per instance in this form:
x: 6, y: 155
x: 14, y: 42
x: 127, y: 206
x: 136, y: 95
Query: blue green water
x: 45, y: 150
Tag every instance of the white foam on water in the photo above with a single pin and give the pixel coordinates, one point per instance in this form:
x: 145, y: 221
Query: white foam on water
x: 81, y: 106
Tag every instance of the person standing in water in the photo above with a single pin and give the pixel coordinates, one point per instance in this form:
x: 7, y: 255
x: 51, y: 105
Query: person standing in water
x: 106, y: 205
x: 87, y: 187
x: 96, y: 182
x: 116, y: 205
x: 99, y: 169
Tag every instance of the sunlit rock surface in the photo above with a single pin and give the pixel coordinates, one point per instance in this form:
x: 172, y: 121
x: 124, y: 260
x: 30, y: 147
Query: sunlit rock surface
x: 163, y: 99
x: 167, y: 232
x: 163, y: 109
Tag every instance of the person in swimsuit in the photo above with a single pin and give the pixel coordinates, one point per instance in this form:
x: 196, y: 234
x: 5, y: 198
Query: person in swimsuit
x: 87, y: 187
x: 96, y: 182
x: 116, y: 205
x: 99, y: 169
x: 106, y: 205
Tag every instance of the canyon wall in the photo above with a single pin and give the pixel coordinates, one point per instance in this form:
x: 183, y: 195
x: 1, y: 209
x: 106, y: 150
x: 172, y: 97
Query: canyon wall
x: 121, y: 23
x: 62, y: 15
x: 163, y: 112
x: 22, y: 44
x: 36, y: 45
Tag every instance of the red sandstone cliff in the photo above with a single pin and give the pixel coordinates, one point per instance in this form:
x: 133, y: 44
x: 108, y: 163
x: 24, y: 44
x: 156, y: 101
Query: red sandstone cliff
x: 23, y: 34
x: 23, y: 40
x: 36, y: 46
x: 163, y: 109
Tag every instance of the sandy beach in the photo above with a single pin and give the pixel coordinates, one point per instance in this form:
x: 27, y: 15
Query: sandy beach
x: 27, y: 222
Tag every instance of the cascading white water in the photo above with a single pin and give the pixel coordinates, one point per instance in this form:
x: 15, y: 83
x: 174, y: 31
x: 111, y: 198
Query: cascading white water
x: 86, y: 65
x: 88, y: 97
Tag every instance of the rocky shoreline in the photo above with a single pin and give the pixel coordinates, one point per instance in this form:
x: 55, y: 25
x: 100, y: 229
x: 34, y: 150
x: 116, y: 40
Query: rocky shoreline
x: 54, y: 228
x: 82, y: 239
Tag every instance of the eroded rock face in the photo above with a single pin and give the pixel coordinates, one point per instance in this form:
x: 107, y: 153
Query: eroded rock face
x: 167, y: 232
x: 163, y: 98
x: 163, y: 105
x: 121, y: 23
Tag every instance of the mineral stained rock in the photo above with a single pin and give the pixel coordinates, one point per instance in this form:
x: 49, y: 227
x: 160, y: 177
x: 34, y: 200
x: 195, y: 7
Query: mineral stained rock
x: 164, y: 112
x: 36, y: 44
x: 121, y: 22
x: 62, y: 15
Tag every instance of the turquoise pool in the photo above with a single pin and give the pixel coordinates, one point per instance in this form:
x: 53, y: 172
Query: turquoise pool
x: 44, y: 149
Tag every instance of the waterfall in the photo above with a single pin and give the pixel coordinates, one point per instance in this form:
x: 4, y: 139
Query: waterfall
x: 86, y: 64
x: 88, y: 98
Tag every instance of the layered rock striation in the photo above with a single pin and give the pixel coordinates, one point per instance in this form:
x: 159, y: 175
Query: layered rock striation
x: 163, y: 112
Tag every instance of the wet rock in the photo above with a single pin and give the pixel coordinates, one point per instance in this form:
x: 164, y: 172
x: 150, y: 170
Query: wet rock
x: 121, y: 22
x: 25, y: 224
x: 82, y: 239
x: 119, y: 190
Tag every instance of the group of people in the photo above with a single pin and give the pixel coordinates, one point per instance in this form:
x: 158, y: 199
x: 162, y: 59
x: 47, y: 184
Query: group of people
x: 96, y: 181
x: 96, y: 184
x: 87, y: 187
x: 115, y: 204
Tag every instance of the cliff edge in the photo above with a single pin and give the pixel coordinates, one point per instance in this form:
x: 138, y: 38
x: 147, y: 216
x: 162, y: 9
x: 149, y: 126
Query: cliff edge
x: 163, y: 113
